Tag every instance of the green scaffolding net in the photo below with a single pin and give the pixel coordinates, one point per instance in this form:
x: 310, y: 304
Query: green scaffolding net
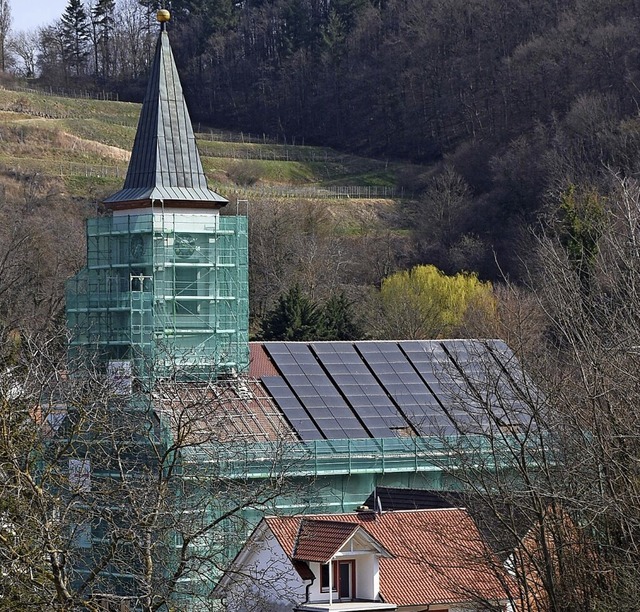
x: 164, y: 291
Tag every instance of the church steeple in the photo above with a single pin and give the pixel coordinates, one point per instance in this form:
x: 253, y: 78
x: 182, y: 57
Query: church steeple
x: 165, y: 164
x: 165, y: 290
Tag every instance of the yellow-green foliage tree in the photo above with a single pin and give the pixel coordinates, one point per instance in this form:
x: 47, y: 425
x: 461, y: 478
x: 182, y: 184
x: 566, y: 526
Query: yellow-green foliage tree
x: 426, y: 303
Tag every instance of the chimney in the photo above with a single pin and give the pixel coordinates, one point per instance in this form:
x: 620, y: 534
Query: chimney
x: 365, y: 512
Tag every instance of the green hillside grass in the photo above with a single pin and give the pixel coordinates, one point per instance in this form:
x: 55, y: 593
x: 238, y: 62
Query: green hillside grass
x: 33, y: 120
x: 84, y: 145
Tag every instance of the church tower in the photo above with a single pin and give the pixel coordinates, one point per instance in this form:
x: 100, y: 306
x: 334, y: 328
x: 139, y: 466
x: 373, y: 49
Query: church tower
x: 165, y: 289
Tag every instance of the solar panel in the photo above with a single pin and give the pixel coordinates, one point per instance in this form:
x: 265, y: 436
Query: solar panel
x: 317, y: 379
x: 332, y: 358
x: 342, y: 379
x: 360, y: 388
x: 359, y: 401
x: 469, y: 381
x: 340, y: 412
x: 290, y: 369
x: 401, y: 382
x: 336, y: 362
x: 295, y: 379
x: 487, y: 385
x: 427, y: 380
x: 317, y: 393
x: 510, y: 391
x: 434, y: 372
x: 327, y: 391
x: 358, y: 369
x: 305, y: 391
x: 376, y: 357
x: 293, y: 411
x: 275, y: 348
x: 382, y: 368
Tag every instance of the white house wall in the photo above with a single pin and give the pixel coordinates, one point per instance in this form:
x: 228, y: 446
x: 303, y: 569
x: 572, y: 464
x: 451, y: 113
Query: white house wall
x: 266, y: 581
x: 367, y: 579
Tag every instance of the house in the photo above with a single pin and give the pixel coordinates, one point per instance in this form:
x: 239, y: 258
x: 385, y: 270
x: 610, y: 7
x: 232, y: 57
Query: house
x: 556, y: 560
x: 410, y: 561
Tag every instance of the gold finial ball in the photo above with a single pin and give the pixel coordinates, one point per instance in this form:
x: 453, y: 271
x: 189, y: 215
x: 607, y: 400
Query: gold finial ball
x: 163, y: 15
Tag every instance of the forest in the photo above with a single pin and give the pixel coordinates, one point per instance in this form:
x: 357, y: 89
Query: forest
x: 502, y: 106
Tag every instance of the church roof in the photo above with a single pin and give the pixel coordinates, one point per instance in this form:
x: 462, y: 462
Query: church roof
x: 165, y: 162
x: 390, y: 389
x: 315, y: 391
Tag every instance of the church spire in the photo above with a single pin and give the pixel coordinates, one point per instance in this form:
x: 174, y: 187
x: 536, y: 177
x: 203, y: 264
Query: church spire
x: 165, y: 164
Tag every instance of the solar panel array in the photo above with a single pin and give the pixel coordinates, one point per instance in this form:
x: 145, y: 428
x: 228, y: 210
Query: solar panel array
x: 381, y: 389
x: 313, y: 389
x: 360, y: 388
x: 292, y: 408
x: 436, y: 368
x: 516, y: 392
x: 491, y: 399
x: 406, y: 386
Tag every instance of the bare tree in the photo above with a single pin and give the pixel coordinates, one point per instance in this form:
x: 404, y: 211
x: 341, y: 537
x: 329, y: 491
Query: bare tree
x: 25, y: 46
x: 51, y: 54
x: 118, y: 496
x: 134, y: 40
x: 293, y: 243
x: 550, y: 463
x: 41, y: 245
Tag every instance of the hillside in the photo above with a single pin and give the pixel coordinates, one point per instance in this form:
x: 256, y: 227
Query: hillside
x: 318, y: 217
x: 86, y: 144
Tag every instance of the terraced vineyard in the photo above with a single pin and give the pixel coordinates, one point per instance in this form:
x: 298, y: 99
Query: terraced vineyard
x: 86, y: 143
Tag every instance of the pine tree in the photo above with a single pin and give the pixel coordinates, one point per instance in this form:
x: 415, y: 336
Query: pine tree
x: 76, y: 34
x: 339, y: 319
x: 102, y: 21
x: 294, y: 317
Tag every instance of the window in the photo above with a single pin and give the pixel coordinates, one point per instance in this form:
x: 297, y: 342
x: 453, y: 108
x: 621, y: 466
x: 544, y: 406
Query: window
x: 186, y: 281
x: 343, y: 579
x: 80, y: 475
x: 81, y: 535
x: 324, y: 577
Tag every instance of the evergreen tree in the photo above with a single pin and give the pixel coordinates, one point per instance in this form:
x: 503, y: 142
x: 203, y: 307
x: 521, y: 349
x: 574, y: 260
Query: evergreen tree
x: 294, y: 317
x: 102, y: 21
x: 339, y: 320
x: 75, y: 30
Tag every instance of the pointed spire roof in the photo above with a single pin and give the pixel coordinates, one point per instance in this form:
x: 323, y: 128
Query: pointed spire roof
x: 165, y: 163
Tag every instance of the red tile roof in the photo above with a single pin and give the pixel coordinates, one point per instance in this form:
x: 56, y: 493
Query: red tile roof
x: 321, y: 540
x: 259, y: 362
x: 228, y: 410
x: 438, y: 555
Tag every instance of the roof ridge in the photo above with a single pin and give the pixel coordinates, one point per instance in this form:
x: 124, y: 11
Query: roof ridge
x: 302, y: 517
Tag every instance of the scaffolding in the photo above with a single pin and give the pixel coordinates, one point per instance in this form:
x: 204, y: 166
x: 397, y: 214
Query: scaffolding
x: 167, y: 291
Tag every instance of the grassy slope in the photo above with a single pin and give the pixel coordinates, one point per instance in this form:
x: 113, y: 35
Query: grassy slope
x: 79, y: 148
x: 83, y: 145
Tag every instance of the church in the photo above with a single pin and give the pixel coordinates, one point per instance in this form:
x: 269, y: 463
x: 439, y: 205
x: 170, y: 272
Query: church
x: 163, y: 305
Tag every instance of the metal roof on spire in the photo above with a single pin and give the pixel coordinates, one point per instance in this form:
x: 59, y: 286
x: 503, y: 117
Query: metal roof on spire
x: 165, y: 164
